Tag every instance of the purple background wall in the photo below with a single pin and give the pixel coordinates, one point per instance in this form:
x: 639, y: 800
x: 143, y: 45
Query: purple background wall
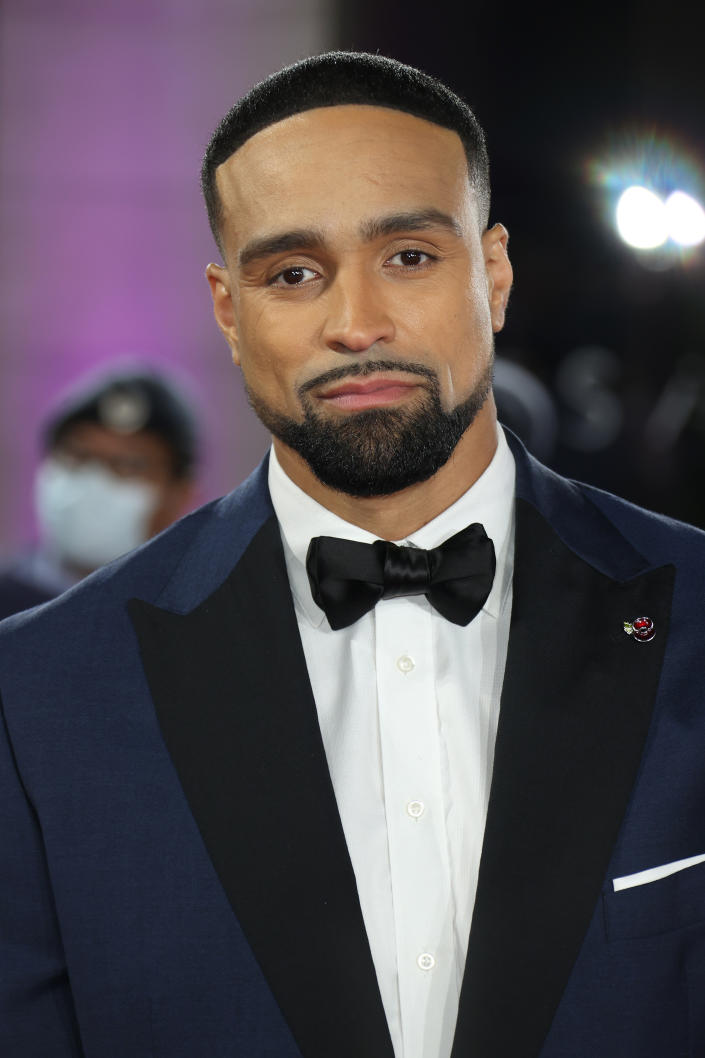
x: 105, y: 110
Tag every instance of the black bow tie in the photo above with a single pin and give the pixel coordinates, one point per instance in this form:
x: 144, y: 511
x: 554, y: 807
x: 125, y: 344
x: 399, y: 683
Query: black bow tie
x: 347, y: 578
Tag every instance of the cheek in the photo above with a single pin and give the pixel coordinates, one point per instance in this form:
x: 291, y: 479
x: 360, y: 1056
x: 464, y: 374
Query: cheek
x: 259, y: 341
x: 278, y: 343
x: 468, y: 343
x: 271, y: 362
x: 478, y: 305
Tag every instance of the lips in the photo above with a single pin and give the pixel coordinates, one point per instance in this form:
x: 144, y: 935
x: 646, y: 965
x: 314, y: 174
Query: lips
x: 359, y: 393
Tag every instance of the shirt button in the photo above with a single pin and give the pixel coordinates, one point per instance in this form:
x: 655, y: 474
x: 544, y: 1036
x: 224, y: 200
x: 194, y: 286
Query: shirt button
x: 426, y: 961
x: 405, y: 663
x: 415, y: 809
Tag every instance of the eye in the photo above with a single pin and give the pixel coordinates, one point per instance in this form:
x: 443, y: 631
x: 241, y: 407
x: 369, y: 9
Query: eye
x: 292, y: 277
x: 411, y: 258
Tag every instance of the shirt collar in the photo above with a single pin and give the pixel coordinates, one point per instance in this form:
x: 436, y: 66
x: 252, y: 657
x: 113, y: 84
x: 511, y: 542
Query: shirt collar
x: 490, y: 500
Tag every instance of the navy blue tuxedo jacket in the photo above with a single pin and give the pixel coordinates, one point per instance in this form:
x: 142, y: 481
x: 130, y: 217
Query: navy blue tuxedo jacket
x: 174, y: 879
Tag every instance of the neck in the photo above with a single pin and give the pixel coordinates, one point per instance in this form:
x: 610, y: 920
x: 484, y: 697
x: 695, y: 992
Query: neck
x: 396, y: 516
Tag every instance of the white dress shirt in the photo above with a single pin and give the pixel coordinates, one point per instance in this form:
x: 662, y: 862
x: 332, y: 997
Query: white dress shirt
x: 408, y: 706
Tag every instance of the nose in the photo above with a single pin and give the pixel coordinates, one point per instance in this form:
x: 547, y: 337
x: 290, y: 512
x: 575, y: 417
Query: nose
x: 357, y: 314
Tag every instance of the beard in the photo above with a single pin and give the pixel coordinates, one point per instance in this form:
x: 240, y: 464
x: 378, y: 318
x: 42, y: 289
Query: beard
x: 378, y: 451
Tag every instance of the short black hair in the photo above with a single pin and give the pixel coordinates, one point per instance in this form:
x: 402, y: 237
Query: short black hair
x: 129, y: 401
x: 338, y: 78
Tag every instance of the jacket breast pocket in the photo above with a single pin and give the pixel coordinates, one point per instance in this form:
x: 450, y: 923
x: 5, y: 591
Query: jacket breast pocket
x: 674, y: 902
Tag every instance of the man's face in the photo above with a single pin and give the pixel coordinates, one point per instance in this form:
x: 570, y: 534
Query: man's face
x: 358, y: 291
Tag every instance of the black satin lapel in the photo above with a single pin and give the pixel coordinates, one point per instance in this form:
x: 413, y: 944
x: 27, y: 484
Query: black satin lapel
x: 232, y: 693
x: 576, y: 706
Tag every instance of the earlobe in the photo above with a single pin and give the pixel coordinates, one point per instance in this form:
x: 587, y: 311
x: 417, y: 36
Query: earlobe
x: 219, y: 282
x: 499, y: 272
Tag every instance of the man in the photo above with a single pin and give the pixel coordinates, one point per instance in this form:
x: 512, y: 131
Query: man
x: 266, y: 816
x: 117, y: 469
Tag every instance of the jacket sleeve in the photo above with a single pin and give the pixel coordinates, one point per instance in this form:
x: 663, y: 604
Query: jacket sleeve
x: 37, y: 1017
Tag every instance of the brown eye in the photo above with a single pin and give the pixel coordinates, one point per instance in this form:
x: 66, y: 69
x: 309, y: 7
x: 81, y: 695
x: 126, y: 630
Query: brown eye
x: 410, y: 258
x: 292, y: 277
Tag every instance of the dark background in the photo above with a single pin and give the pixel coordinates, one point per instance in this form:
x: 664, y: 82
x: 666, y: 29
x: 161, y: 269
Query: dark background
x: 616, y: 336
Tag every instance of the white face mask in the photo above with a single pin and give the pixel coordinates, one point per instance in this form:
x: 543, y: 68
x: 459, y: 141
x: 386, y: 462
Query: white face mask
x: 88, y: 516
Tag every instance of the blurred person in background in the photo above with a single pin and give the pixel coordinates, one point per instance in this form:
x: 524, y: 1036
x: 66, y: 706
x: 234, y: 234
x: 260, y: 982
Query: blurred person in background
x: 117, y: 468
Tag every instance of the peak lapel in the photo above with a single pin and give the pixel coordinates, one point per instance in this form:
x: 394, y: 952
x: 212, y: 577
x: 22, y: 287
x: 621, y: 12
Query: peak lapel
x: 576, y: 706
x: 231, y: 690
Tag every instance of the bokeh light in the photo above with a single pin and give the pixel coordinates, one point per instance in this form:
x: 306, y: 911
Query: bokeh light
x: 685, y: 218
x: 641, y: 218
x: 653, y: 187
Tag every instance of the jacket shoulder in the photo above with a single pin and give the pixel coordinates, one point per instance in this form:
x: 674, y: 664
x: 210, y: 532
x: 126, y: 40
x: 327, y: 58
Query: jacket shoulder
x: 658, y: 536
x: 594, y: 521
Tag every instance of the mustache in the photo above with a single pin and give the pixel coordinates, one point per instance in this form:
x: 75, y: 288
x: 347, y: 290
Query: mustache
x: 370, y: 367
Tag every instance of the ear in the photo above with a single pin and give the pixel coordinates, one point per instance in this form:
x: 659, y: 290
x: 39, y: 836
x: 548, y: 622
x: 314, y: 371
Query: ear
x: 219, y: 280
x: 499, y: 272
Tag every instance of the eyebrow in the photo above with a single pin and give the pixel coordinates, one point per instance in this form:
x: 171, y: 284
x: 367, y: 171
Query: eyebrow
x: 378, y: 227
x: 417, y: 220
x: 284, y: 242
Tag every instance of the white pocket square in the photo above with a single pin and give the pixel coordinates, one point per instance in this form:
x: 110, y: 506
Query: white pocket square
x: 628, y: 881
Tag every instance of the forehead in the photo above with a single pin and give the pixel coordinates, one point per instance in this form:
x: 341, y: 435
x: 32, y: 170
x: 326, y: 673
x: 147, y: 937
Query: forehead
x: 325, y: 165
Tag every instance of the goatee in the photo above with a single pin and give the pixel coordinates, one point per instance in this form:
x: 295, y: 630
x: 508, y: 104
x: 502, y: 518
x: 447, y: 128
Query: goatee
x: 381, y: 450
